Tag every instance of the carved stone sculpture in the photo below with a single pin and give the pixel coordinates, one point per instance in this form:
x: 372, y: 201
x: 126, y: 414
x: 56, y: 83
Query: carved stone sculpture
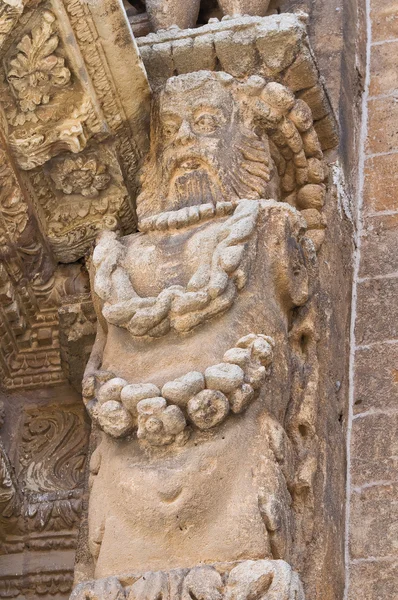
x: 190, y: 375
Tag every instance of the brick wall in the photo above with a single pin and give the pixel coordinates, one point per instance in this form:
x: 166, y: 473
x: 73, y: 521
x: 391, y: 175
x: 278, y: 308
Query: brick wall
x: 372, y: 544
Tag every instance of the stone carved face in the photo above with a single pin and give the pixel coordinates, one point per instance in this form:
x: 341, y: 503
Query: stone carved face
x: 202, y: 150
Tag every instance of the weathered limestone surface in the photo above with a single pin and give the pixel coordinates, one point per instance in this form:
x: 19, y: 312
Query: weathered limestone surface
x: 176, y: 381
x: 373, y: 519
x: 218, y: 292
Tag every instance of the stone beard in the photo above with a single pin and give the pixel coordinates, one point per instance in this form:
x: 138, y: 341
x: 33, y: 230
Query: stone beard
x: 190, y: 378
x: 202, y: 150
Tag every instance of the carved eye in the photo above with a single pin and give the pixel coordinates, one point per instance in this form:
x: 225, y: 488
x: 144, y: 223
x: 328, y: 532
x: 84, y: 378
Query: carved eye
x: 170, y: 128
x: 206, y: 123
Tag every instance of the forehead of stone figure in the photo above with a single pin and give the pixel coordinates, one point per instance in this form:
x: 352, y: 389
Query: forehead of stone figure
x: 203, y: 100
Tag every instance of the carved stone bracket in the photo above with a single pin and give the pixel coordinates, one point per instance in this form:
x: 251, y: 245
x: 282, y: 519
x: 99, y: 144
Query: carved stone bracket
x: 61, y: 97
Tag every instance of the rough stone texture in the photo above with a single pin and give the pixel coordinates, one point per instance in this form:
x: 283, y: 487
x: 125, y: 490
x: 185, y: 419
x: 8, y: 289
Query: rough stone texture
x: 383, y: 75
x: 163, y: 15
x: 382, y: 125
x: 373, y: 517
x: 376, y: 579
x: 377, y: 311
x: 374, y: 521
x: 374, y: 448
x: 384, y: 18
x: 379, y: 243
x: 221, y: 273
x: 379, y: 192
x: 376, y: 378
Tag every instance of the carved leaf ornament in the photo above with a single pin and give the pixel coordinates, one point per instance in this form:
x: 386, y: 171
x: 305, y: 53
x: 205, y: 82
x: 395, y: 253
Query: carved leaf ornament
x: 36, y: 69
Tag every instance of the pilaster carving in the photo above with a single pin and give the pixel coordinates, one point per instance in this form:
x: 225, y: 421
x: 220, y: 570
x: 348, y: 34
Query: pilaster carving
x: 195, y: 348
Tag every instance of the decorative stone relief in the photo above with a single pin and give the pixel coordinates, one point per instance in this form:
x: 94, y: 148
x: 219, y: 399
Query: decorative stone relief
x: 203, y: 382
x: 52, y: 458
x: 205, y: 398
x: 192, y: 357
x: 61, y: 101
x: 36, y: 71
x: 41, y: 500
x: 275, y: 48
x: 83, y: 175
x: 10, y: 11
x: 249, y: 579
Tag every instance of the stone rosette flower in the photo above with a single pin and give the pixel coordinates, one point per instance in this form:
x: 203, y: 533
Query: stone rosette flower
x: 84, y: 175
x: 36, y: 69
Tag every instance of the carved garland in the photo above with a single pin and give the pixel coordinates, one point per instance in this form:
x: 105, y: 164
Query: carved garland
x: 210, y: 291
x: 204, y: 399
x: 294, y: 145
x: 265, y: 579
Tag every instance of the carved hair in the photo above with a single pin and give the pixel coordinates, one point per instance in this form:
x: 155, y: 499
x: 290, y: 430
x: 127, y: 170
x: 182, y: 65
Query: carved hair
x: 271, y: 152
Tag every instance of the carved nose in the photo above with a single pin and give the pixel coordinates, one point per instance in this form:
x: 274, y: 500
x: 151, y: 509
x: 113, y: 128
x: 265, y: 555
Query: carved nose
x: 184, y: 135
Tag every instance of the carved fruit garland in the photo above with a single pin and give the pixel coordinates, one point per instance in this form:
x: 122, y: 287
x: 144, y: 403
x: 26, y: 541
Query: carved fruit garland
x: 205, y: 400
x: 37, y: 70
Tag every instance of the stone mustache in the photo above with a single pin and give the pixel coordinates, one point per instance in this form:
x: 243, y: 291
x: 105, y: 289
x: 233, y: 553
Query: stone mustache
x: 190, y: 379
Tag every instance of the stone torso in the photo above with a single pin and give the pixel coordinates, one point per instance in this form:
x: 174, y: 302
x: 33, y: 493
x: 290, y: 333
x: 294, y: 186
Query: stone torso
x: 150, y: 499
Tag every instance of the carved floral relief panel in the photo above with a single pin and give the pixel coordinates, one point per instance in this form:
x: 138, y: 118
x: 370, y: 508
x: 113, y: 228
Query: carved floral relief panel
x: 41, y: 492
x: 58, y: 96
x: 47, y: 109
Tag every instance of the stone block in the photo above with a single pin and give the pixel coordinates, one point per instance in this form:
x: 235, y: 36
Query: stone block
x: 382, y: 125
x: 377, y: 307
x: 374, y: 449
x: 381, y: 181
x: 203, y: 53
x: 376, y: 378
x: 316, y: 99
x: 182, y: 55
x: 375, y: 580
x: 384, y: 16
x: 236, y: 52
x: 374, y: 522
x: 379, y: 244
x: 327, y: 132
x: 302, y: 74
x: 384, y: 74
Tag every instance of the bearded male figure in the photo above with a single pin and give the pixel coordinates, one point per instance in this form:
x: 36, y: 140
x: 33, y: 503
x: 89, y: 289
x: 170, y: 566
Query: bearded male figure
x: 190, y: 376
